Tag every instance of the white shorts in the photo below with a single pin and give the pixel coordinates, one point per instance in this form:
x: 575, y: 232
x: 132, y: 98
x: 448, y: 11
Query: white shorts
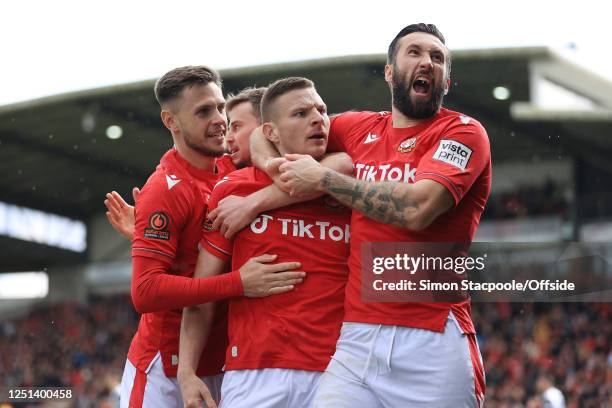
x: 152, y: 388
x: 269, y: 388
x: 396, y: 367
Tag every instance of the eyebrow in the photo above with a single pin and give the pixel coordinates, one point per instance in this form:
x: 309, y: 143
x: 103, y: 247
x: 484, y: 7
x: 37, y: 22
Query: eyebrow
x: 301, y: 106
x: 208, y: 105
x: 435, y: 49
x: 308, y: 105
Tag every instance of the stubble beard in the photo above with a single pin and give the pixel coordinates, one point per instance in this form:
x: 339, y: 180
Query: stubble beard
x: 203, y: 150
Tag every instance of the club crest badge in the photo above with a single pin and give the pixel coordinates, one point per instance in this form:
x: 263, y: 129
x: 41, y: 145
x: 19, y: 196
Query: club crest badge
x: 407, y: 145
x: 207, y: 224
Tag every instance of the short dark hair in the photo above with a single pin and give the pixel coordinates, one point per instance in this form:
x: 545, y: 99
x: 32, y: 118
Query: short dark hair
x: 279, y: 88
x: 173, y: 82
x: 414, y: 28
x: 252, y: 95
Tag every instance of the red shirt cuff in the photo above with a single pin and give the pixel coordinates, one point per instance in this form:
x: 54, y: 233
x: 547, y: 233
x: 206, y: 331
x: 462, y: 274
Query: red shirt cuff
x: 236, y: 283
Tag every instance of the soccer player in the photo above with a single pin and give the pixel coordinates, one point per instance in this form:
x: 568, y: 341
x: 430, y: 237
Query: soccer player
x: 422, y: 174
x: 243, y: 114
x: 168, y: 224
x: 278, y: 347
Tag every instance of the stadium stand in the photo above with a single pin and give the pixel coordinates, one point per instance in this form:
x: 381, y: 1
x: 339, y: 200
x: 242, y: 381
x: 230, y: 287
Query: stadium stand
x: 56, y: 158
x: 83, y: 346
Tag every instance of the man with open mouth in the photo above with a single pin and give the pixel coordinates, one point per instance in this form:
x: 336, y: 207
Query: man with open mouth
x: 422, y: 175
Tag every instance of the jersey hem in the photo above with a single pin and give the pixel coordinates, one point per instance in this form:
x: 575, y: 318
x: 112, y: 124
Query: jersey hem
x: 436, y: 326
x: 286, y: 364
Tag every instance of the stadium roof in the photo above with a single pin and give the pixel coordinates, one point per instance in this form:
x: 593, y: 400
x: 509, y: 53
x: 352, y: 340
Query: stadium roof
x: 55, y: 155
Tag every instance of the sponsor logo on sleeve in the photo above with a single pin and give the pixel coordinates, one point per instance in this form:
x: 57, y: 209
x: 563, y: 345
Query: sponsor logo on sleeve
x: 407, y: 145
x: 464, y: 119
x: 158, y: 226
x: 454, y: 153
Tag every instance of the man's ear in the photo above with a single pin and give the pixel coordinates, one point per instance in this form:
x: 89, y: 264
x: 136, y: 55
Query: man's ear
x: 167, y: 118
x: 389, y: 74
x: 447, y: 87
x: 270, y: 131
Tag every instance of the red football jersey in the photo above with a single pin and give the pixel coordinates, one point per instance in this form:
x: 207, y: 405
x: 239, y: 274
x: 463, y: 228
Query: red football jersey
x: 295, y: 330
x: 450, y: 148
x: 170, y: 213
x: 225, y: 165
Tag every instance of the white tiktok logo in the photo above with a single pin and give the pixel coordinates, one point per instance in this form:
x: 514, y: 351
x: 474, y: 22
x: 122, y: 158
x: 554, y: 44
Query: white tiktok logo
x: 299, y: 228
x: 385, y: 172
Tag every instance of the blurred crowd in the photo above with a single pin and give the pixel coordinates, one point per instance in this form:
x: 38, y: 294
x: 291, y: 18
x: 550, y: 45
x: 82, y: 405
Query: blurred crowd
x: 546, y: 199
x: 70, y: 345
x: 523, y: 343
x: 85, y: 346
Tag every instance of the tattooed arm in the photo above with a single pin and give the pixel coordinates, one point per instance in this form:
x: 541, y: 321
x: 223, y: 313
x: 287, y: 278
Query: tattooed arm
x: 412, y: 206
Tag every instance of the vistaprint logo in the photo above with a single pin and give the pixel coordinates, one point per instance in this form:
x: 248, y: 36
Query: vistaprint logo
x: 454, y: 153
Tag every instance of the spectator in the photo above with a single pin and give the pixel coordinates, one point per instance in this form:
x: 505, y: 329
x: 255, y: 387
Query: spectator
x: 550, y: 395
x: 78, y: 346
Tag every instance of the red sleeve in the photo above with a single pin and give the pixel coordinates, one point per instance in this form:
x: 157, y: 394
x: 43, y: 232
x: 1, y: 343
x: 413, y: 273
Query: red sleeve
x: 154, y: 290
x: 212, y: 241
x: 161, y: 214
x: 458, y: 158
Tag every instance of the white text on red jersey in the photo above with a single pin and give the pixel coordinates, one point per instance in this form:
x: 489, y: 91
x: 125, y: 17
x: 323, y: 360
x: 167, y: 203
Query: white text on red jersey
x: 322, y: 230
x: 385, y: 172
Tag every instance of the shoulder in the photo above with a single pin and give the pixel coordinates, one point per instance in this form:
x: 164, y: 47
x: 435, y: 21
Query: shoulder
x: 456, y: 130
x: 225, y: 165
x: 457, y: 121
x: 352, y: 118
x: 241, y: 182
x: 165, y: 185
x: 349, y: 127
x: 233, y: 178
